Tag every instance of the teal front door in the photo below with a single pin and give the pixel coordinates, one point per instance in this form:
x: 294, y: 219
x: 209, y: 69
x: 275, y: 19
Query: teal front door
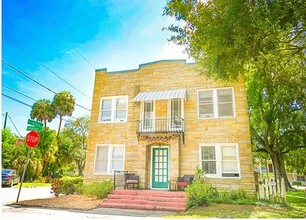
x: 160, y: 168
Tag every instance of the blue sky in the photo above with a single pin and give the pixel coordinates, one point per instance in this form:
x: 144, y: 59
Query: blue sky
x: 72, y: 38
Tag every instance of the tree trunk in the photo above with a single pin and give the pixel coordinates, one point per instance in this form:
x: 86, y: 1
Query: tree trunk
x: 59, y: 126
x: 279, y: 169
x: 80, y: 167
x: 45, y: 124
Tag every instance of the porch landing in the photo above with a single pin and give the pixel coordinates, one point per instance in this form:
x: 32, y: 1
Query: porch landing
x: 146, y: 200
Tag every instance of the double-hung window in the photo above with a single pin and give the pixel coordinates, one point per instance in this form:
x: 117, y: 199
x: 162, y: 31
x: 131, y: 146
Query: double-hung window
x: 113, y: 109
x: 109, y: 158
x: 220, y: 160
x: 216, y: 103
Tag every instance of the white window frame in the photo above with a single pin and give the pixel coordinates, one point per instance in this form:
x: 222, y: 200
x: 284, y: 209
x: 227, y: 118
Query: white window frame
x: 109, y: 158
x: 218, y: 153
x: 113, y: 109
x: 169, y: 114
x: 215, y: 103
x: 142, y: 118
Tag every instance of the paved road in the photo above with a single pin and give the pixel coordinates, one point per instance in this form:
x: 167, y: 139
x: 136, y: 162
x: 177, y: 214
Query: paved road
x: 24, y: 213
x: 9, y: 195
x: 11, y: 212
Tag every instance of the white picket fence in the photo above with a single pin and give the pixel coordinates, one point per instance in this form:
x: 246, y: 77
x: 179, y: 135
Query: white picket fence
x: 270, y: 190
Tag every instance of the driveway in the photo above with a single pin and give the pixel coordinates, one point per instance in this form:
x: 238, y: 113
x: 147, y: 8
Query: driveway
x: 9, y: 194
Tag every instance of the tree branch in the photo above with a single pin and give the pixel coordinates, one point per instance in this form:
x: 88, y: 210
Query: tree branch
x: 292, y: 149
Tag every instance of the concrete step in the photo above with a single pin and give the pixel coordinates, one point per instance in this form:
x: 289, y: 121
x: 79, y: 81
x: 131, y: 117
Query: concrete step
x: 146, y: 200
x: 142, y: 207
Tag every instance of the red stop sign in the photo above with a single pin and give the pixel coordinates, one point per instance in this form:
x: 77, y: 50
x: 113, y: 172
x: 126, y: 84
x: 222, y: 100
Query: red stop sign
x: 32, y: 139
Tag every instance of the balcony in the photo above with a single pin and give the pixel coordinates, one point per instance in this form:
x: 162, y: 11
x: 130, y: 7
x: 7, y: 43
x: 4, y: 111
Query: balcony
x: 149, y: 127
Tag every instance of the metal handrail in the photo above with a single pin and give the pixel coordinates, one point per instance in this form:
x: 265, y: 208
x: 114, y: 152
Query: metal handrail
x: 160, y: 125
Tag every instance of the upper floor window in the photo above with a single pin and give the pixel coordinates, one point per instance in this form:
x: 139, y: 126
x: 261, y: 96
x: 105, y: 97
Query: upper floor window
x: 113, y: 109
x: 216, y: 103
x: 220, y: 160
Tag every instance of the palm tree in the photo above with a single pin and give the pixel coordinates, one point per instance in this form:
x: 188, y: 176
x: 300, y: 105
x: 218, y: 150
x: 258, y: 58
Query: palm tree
x: 63, y: 104
x: 42, y: 111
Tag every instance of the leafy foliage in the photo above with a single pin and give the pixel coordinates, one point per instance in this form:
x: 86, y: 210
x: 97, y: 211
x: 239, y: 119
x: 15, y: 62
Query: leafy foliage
x: 66, y: 185
x: 264, y: 42
x: 42, y: 110
x: 98, y: 190
x: 63, y: 104
x: 200, y: 193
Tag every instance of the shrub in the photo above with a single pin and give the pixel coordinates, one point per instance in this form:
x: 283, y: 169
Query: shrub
x: 99, y: 190
x: 201, y: 194
x: 66, y: 185
x: 197, y: 194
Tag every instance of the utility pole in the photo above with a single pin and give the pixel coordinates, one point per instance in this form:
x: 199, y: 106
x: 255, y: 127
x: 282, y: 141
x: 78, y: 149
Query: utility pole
x: 5, y: 120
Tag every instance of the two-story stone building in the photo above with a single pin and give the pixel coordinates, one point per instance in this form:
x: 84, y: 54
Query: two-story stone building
x: 163, y: 120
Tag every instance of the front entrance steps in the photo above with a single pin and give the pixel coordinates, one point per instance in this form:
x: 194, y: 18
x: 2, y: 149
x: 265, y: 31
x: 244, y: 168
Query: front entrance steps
x: 146, y: 200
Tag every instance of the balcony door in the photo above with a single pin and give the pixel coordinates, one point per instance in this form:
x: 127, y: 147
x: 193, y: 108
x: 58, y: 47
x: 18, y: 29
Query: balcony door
x: 176, y: 114
x: 147, y: 116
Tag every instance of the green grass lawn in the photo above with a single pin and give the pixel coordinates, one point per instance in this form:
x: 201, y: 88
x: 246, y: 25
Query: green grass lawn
x: 295, y: 208
x: 33, y: 185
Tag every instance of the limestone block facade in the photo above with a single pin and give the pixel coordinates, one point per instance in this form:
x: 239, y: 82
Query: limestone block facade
x: 163, y: 120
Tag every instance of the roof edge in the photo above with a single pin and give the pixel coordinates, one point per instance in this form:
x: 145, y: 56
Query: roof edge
x: 142, y: 65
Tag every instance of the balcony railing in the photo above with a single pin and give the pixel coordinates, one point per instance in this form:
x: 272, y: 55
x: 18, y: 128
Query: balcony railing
x: 164, y: 125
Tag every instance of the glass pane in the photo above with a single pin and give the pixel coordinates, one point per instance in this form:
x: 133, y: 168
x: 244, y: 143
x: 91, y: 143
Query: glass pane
x: 102, y: 152
x: 206, y: 109
x: 229, y: 153
x: 106, y: 104
x: 101, y: 166
x: 225, y: 109
x: 121, y: 114
x: 106, y: 115
x: 121, y: 103
x: 175, y: 108
x: 156, y: 179
x: 224, y: 95
x: 208, y: 153
x: 209, y: 167
x: 205, y: 96
x: 118, y: 153
x: 117, y: 165
x: 229, y: 167
x: 165, y: 179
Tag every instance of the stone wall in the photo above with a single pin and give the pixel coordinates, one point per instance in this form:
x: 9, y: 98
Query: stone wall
x: 169, y: 75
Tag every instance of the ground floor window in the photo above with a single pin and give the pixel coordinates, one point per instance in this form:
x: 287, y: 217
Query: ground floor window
x: 109, y: 158
x: 220, y: 160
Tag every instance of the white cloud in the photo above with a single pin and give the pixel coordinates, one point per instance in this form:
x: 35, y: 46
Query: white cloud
x: 173, y: 51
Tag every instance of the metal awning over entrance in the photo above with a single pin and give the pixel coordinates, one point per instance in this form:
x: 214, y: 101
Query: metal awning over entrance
x: 151, y: 96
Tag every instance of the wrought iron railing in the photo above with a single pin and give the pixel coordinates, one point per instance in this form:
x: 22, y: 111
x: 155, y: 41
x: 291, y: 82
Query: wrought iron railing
x: 161, y: 125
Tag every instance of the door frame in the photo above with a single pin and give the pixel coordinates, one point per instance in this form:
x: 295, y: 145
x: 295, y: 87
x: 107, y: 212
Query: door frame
x: 151, y: 167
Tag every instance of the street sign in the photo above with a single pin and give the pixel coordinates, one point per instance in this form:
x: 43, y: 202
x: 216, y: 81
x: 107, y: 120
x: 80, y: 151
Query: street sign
x: 34, y: 125
x: 32, y: 139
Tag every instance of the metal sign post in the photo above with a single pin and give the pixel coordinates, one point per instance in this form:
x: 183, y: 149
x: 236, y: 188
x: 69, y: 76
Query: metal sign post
x: 24, y: 170
x: 32, y: 140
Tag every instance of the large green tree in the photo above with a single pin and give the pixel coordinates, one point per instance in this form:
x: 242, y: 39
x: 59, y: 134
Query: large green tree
x: 263, y: 41
x: 63, y: 104
x: 42, y: 110
x: 77, y: 131
x: 46, y: 151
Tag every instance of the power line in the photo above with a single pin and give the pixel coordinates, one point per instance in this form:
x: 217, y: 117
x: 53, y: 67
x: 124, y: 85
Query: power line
x: 16, y: 100
x: 40, y: 63
x: 18, y: 92
x: 27, y: 96
x: 14, y: 125
x: 61, y: 36
x: 23, y: 103
x: 22, y: 73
